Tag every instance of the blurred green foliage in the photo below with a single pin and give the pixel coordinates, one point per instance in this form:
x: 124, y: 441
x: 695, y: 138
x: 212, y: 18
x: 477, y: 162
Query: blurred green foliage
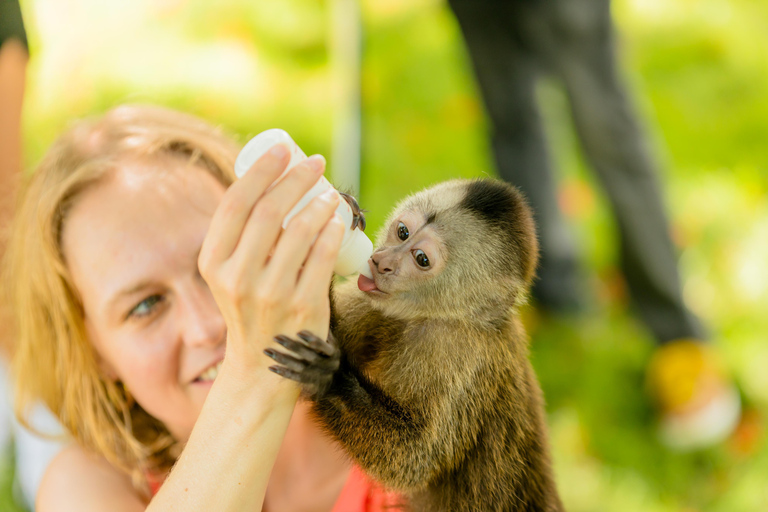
x: 700, y: 76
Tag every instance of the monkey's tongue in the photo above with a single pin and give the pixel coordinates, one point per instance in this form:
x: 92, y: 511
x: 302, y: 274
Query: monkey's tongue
x: 365, y: 284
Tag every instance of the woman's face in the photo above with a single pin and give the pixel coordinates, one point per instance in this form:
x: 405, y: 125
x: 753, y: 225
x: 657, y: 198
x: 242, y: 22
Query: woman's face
x: 131, y: 243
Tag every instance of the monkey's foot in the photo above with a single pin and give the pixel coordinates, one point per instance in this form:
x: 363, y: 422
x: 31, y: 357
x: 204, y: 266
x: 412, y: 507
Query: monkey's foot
x: 312, y: 362
x: 358, y: 219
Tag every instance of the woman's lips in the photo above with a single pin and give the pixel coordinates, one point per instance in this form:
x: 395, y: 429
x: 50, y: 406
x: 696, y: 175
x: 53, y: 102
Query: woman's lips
x: 209, y: 374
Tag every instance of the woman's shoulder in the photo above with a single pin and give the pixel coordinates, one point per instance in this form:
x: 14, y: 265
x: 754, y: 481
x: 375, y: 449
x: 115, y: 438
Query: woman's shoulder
x: 79, y: 481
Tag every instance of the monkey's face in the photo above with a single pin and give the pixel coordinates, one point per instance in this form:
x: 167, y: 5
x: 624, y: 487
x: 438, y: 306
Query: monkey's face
x: 411, y: 254
x: 461, y: 248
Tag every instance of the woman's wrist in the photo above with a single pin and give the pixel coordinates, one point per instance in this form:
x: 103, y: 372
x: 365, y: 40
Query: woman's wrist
x: 229, y: 455
x: 237, y: 381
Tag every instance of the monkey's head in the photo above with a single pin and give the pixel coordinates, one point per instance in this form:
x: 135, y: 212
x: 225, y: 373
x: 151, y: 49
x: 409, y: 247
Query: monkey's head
x: 463, y: 247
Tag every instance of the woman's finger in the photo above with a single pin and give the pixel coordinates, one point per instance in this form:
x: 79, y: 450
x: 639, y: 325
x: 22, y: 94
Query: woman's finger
x: 293, y: 247
x: 236, y: 205
x: 315, y: 279
x: 262, y: 229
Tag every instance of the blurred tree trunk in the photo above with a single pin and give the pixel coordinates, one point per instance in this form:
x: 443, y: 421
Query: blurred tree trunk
x: 345, y: 43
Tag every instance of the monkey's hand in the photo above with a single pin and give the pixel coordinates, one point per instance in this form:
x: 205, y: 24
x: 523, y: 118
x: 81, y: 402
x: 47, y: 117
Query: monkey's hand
x: 312, y: 362
x: 358, y: 219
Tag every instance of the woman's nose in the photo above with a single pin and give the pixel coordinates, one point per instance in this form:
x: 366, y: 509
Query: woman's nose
x: 203, y: 324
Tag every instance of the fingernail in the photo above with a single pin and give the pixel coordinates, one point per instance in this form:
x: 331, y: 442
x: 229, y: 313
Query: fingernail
x: 330, y: 195
x: 316, y: 163
x: 278, y: 151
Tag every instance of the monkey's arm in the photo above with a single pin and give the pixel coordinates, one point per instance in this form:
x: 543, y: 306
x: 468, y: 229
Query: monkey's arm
x: 396, y: 443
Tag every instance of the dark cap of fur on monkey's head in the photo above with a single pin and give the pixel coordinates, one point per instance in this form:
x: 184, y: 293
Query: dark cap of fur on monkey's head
x: 488, y: 242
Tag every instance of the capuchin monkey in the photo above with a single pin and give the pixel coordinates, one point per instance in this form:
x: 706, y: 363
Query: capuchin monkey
x: 425, y: 379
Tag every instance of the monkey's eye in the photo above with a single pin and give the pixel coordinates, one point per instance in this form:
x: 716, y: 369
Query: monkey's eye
x: 402, y: 232
x: 421, y: 258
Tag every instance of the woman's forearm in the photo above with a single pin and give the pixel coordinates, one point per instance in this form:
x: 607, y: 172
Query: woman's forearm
x: 228, y: 458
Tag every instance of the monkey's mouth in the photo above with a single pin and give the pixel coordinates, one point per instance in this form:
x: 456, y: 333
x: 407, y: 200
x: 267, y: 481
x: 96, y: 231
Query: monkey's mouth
x: 367, y: 285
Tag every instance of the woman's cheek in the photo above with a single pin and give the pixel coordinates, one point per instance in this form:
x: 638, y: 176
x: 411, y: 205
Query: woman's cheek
x: 156, y: 387
x: 150, y: 366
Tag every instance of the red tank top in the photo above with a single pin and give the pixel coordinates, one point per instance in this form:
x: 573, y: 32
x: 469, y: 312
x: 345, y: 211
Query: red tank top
x: 359, y: 494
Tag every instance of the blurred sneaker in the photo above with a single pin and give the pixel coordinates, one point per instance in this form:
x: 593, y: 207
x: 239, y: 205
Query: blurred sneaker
x: 699, y: 406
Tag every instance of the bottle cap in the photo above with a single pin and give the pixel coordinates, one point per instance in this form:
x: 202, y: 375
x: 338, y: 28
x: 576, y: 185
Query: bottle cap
x: 260, y: 144
x: 354, y: 255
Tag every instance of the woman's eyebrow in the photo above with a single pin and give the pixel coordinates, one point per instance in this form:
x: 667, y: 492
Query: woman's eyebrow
x: 126, y: 292
x: 132, y: 289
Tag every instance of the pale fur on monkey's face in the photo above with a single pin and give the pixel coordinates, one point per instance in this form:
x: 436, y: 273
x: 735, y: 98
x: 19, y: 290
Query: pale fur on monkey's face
x: 415, y: 252
x: 411, y: 253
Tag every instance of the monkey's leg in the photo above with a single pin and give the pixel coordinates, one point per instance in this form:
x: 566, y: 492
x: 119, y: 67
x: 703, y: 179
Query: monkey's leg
x: 313, y: 364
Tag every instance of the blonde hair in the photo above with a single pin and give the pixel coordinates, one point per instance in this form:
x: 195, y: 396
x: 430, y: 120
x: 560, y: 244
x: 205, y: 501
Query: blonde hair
x: 54, y: 362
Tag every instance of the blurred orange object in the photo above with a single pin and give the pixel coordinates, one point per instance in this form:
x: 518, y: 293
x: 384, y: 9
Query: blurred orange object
x: 699, y: 406
x: 749, y: 434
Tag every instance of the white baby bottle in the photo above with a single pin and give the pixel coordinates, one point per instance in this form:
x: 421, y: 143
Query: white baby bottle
x: 356, y: 247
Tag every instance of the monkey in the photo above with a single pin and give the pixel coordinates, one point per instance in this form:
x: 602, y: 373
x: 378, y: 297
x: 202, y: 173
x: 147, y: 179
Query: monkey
x: 425, y: 378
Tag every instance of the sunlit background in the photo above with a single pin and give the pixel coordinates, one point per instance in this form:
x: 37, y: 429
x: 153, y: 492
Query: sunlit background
x: 699, y: 73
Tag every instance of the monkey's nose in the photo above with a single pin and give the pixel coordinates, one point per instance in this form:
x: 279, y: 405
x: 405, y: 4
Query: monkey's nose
x: 381, y: 265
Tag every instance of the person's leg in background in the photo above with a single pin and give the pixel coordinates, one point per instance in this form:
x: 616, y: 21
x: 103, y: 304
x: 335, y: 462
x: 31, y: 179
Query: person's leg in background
x: 616, y: 149
x: 509, y: 43
x: 699, y: 406
x: 506, y: 71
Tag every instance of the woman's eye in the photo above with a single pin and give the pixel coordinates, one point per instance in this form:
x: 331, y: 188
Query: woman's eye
x: 146, y: 306
x: 402, y: 232
x: 421, y: 258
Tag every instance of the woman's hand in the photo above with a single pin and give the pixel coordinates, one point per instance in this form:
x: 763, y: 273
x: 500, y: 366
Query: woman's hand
x: 267, y: 281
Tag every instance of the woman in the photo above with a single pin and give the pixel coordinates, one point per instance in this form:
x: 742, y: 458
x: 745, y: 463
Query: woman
x: 147, y: 284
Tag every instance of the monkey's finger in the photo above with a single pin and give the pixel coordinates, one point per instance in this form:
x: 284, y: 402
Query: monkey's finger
x: 361, y: 220
x: 358, y: 219
x: 316, y: 344
x: 285, y: 372
x: 298, y: 348
x: 232, y: 214
x: 352, y: 202
x: 290, y: 362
